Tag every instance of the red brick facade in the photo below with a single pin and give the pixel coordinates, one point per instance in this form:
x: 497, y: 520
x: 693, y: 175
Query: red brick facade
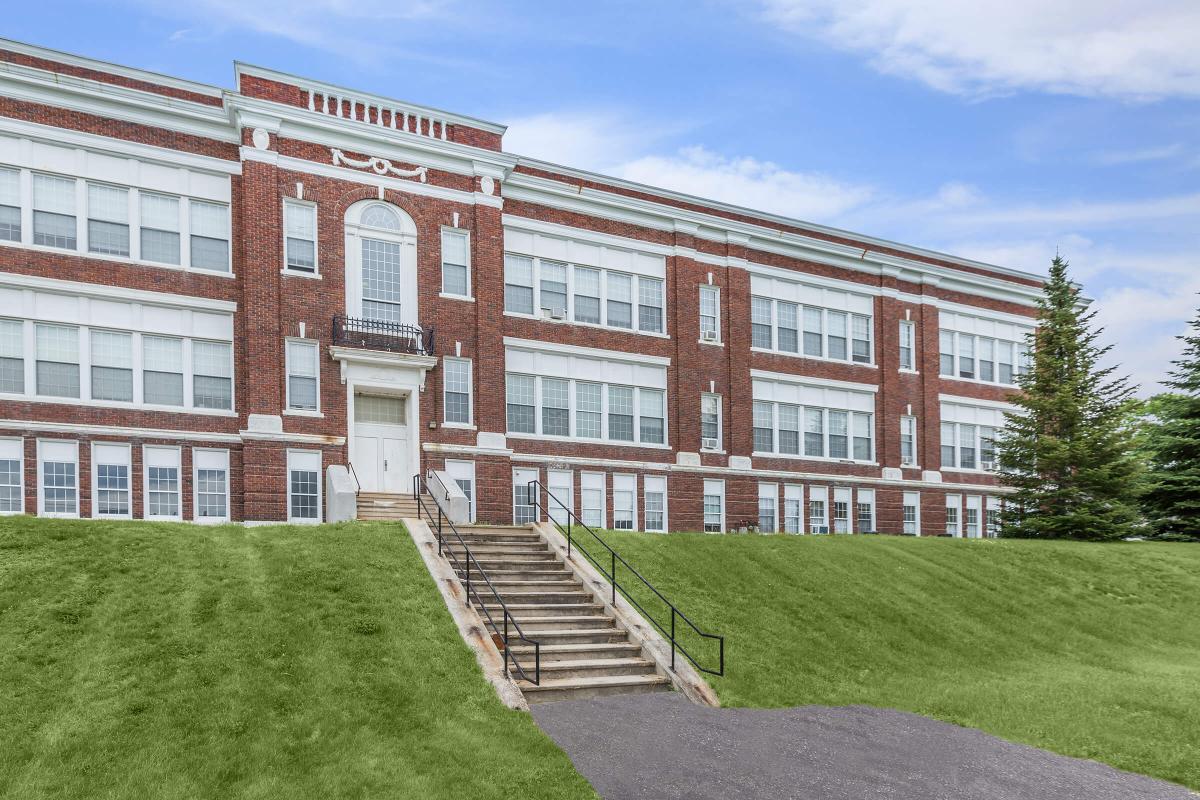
x: 287, y: 132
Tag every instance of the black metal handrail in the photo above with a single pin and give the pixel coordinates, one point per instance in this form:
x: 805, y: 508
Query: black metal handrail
x: 419, y: 485
x: 534, y: 488
x: 378, y: 334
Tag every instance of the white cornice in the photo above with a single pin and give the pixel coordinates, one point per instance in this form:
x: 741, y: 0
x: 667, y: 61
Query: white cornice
x: 100, y: 291
x: 537, y: 345
x: 807, y: 380
x: 586, y: 235
x: 975, y: 401
x: 79, y: 428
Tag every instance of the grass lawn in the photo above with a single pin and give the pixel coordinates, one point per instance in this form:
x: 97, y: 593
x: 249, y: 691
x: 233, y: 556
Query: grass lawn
x: 143, y: 660
x: 1088, y: 650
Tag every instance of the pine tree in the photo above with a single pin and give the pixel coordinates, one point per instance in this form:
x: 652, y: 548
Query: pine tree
x: 1172, y: 497
x: 1068, y: 451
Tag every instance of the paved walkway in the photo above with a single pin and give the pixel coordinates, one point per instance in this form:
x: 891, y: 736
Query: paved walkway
x: 660, y: 746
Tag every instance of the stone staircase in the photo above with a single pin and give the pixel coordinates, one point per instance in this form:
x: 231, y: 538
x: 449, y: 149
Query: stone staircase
x: 383, y: 506
x: 583, y: 651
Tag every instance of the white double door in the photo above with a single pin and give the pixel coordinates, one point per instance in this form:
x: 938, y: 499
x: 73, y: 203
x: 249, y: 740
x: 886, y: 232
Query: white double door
x: 381, y: 452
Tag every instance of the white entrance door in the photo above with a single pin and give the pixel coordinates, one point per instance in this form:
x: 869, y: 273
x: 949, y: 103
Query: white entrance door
x: 561, y: 487
x: 380, y: 455
x: 463, y: 473
x: 524, y: 508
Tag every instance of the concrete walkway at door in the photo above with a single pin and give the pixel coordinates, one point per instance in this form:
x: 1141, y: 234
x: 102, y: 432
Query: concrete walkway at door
x: 658, y: 747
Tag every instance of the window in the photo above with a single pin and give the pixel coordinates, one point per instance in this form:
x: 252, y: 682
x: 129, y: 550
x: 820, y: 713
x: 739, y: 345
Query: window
x: 813, y: 332
x: 973, y: 511
x: 828, y: 433
x: 457, y: 402
x: 162, y: 482
x: 816, y: 332
x: 866, y: 511
x: 768, y: 495
x: 210, y: 236
x: 710, y: 314
x: 818, y: 521
x: 587, y: 295
x: 953, y: 522
x: 987, y: 447
x: 651, y: 419
x: 524, y: 501
x: 211, y: 483
x: 710, y: 422
x: 981, y: 358
x: 620, y: 300
x: 764, y: 426
x: 860, y: 332
x: 949, y: 437
x: 839, y: 432
x: 655, y: 498
x: 863, y: 427
x: 946, y: 352
x: 521, y: 403
x: 1005, y: 361
x: 556, y: 407
x: 841, y: 510
x: 787, y: 331
x: 54, y: 212
x: 908, y: 441
x: 302, y: 371
x: 304, y: 486
x: 212, y: 375
x: 162, y: 370
x: 518, y: 284
x: 12, y: 356
x: 760, y: 322
x: 966, y: 356
x: 553, y: 293
x: 789, y: 428
x: 300, y: 236
x: 908, y: 338
x: 456, y: 263
x: 112, y: 365
x: 814, y: 432
x: 793, y: 509
x: 968, y: 445
x: 57, y: 360
x: 592, y: 494
x: 110, y: 480
x: 624, y: 502
x: 108, y: 220
x: 376, y: 409
x: 589, y: 407
x: 159, y: 228
x: 463, y: 473
x: 714, y: 506
x: 12, y: 489
x: 912, y: 513
x: 987, y: 360
x: 620, y: 413
x: 836, y: 340
x: 10, y: 205
x: 650, y: 305
x: 992, y: 525
x: 380, y: 280
x: 58, y: 463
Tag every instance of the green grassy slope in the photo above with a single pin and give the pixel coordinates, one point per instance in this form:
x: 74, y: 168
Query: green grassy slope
x: 172, y: 661
x: 1088, y: 650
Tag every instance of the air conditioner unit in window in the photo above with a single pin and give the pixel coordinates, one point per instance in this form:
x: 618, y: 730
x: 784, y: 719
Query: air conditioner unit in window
x: 556, y: 313
x: 708, y: 444
x: 708, y: 336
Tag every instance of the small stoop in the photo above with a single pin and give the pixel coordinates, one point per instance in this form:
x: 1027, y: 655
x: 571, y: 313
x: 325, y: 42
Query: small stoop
x: 584, y: 651
x: 383, y: 506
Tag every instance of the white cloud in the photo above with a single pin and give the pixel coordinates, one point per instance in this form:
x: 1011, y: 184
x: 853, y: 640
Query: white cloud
x: 595, y: 139
x: 1111, y: 158
x: 1122, y: 48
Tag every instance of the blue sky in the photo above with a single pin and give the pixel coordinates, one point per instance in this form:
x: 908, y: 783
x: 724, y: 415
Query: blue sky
x: 996, y: 129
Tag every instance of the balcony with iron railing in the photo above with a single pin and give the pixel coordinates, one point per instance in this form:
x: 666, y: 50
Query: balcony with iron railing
x: 375, y: 334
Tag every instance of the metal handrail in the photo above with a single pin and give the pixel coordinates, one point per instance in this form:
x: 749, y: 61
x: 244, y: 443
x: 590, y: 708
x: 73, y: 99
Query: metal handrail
x: 473, y: 587
x: 534, y: 488
x: 378, y: 334
x: 354, y: 474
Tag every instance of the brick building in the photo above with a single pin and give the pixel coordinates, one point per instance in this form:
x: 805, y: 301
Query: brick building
x: 210, y: 298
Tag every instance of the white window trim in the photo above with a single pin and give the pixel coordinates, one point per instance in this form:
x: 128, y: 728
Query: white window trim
x: 95, y: 470
x: 572, y: 409
x: 469, y: 297
x: 908, y: 324
x: 288, y: 269
x: 716, y: 290
x: 196, y: 487
x: 825, y: 311
x: 860, y: 501
x: 917, y: 518
x: 41, y: 498
x: 720, y: 448
x: 320, y: 488
x: 583, y: 475
x: 287, y: 374
x: 20, y: 442
x: 1016, y: 366
x: 957, y: 505
x: 703, y: 492
x: 666, y: 524
x: 916, y: 457
x: 146, y: 481
x: 825, y: 432
x: 633, y: 507
x: 470, y: 423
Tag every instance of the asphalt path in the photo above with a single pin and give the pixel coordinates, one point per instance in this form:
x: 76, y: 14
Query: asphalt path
x: 660, y: 746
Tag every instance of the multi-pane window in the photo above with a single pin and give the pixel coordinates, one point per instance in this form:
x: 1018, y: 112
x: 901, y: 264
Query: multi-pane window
x: 818, y: 522
x: 112, y: 365
x: 300, y: 236
x: 793, y: 509
x: 651, y: 420
x: 908, y: 339
x: 12, y: 356
x: 456, y: 263
x: 908, y: 441
x: 556, y: 407
x: 624, y: 502
x: 953, y: 521
x: 981, y: 358
x: 60, y: 487
x: 108, y: 219
x: 162, y: 370
x: 57, y: 360
x: 911, y: 513
x: 546, y: 405
x: 10, y: 205
x: 810, y: 330
x: 589, y: 409
x: 302, y: 371
x: 971, y: 516
x: 112, y: 490
x: 304, y: 487
x: 591, y: 495
x: 828, y: 433
x: 212, y: 375
x: 966, y: 446
x: 456, y: 373
x: 710, y: 422
x: 210, y: 235
x: 655, y: 500
x: 866, y: 511
x: 710, y: 314
x: 211, y: 484
x: 714, y: 506
x: 521, y: 392
x: 12, y: 499
x: 767, y: 497
x: 841, y: 514
x: 159, y: 228
x: 992, y: 524
x: 589, y: 295
x: 381, y: 280
x: 524, y: 497
x: 620, y: 413
x: 54, y: 212
x: 162, y: 482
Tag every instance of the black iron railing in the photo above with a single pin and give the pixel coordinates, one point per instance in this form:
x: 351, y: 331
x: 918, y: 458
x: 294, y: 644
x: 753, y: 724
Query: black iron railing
x: 614, y: 561
x: 508, y: 629
x: 375, y: 334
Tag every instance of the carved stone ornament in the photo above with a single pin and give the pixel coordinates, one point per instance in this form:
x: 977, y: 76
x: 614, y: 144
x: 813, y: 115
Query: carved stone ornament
x: 260, y: 138
x: 487, y: 185
x: 380, y: 166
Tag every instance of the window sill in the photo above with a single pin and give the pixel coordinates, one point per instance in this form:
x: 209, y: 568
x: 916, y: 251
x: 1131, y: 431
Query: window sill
x: 299, y: 412
x: 822, y: 459
x: 533, y: 437
x: 459, y: 426
x: 821, y: 359
x: 75, y: 401
x: 538, y: 318
x: 57, y: 515
x: 301, y: 521
x: 711, y: 343
x: 969, y: 470
x: 136, y: 262
x: 978, y: 382
x: 704, y: 452
x: 297, y: 273
x: 462, y: 298
x: 905, y: 371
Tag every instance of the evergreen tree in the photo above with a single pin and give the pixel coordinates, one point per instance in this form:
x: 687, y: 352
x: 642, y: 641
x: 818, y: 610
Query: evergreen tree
x: 1172, y: 446
x: 1068, y: 450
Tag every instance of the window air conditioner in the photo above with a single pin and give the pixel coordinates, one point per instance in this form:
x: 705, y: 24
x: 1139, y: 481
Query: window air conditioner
x: 556, y: 313
x: 708, y: 336
x: 708, y: 444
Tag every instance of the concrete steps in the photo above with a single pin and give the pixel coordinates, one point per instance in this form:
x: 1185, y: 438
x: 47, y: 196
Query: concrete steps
x: 383, y: 506
x: 584, y: 652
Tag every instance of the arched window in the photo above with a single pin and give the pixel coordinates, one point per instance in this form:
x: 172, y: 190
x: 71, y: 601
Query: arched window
x: 381, y: 263
x: 377, y: 215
